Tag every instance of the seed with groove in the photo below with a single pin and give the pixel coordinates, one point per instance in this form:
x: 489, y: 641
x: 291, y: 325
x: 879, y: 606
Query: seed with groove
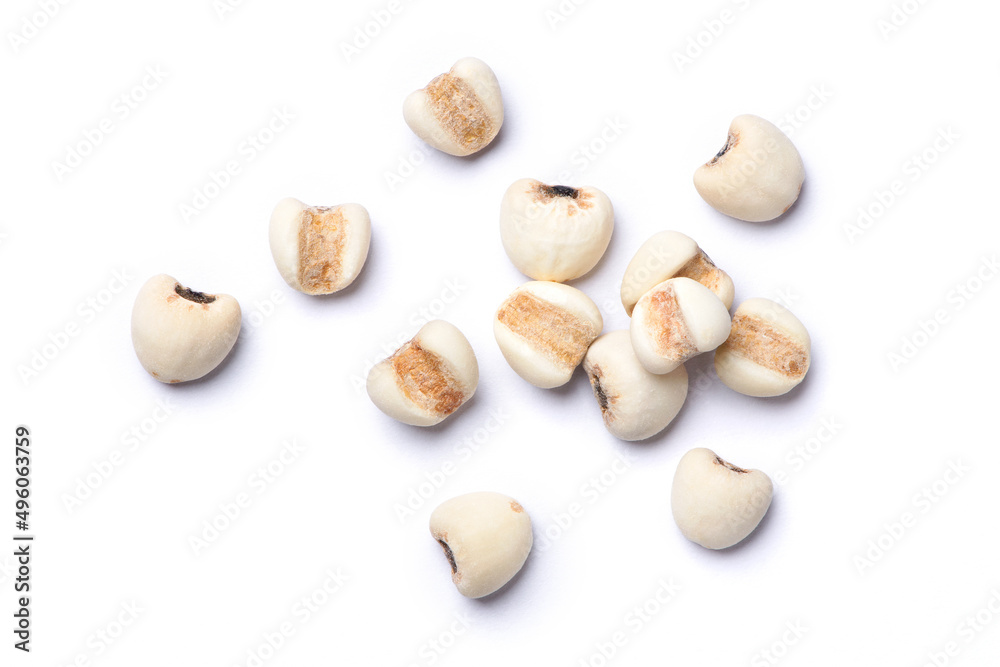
x: 756, y: 176
x: 717, y: 504
x: 459, y: 112
x: 486, y: 538
x: 672, y: 255
x: 555, y: 232
x: 544, y: 329
x: 767, y: 352
x: 180, y: 334
x: 319, y: 249
x: 635, y: 403
x: 676, y: 320
x: 428, y: 378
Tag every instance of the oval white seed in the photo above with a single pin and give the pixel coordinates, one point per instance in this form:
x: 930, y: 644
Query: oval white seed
x: 179, y: 334
x: 756, y: 176
x: 672, y: 255
x: 319, y: 249
x: 676, y: 320
x: 717, y: 504
x: 459, y: 112
x: 544, y: 329
x: 635, y: 403
x: 767, y: 352
x: 428, y: 378
x: 554, y: 232
x: 486, y: 538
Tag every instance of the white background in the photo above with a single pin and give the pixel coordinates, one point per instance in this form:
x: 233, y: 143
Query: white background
x: 824, y: 561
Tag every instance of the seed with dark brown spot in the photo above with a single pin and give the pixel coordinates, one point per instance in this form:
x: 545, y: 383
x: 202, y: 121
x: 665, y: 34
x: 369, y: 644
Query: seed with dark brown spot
x: 191, y: 295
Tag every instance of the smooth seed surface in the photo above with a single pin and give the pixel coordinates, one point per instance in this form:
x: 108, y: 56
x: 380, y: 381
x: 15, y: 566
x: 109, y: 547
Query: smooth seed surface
x: 555, y: 232
x: 756, y: 176
x: 486, y: 538
x: 715, y: 503
x: 635, y: 404
x: 180, y: 334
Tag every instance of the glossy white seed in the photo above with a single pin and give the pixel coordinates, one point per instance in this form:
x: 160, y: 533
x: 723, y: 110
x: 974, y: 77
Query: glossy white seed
x: 179, y: 334
x: 717, y: 504
x: 486, y: 538
x: 555, y: 232
x: 544, y: 329
x: 676, y: 320
x: 672, y: 255
x: 428, y: 378
x: 767, y: 352
x: 319, y: 249
x: 756, y: 176
x: 459, y: 112
x: 635, y: 403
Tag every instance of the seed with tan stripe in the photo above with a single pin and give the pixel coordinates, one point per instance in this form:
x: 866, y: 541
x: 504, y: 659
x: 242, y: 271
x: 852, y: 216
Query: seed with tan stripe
x: 767, y: 352
x: 544, y: 329
x: 428, y: 378
x: 676, y: 320
x: 459, y: 112
x: 672, y: 255
x: 319, y: 249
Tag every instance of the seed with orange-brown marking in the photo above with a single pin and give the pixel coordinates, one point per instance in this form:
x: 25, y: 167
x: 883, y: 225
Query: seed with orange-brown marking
x: 674, y: 321
x: 319, y: 249
x: 767, y: 352
x: 426, y: 379
x: 544, y: 329
x: 671, y: 337
x: 459, y: 112
x: 321, y: 246
x: 670, y: 254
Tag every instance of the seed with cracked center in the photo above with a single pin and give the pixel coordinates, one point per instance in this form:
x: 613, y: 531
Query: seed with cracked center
x: 321, y: 248
x: 558, y: 334
x: 426, y: 380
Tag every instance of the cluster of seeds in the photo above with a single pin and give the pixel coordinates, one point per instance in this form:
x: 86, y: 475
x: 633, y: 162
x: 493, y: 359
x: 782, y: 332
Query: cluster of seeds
x: 679, y: 302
